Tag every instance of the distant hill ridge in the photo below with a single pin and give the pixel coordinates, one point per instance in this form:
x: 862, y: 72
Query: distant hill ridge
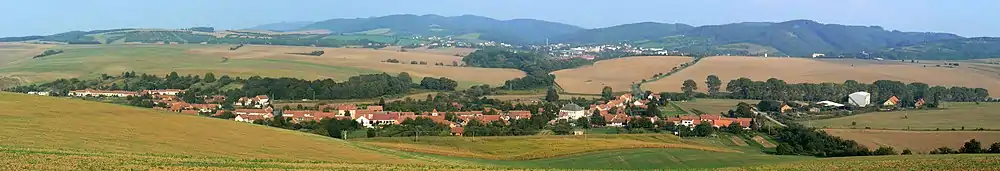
x: 794, y: 38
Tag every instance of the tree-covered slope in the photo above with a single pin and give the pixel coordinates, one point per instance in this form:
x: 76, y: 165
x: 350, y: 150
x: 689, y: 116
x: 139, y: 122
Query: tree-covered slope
x: 511, y: 31
x: 949, y: 49
x: 636, y: 31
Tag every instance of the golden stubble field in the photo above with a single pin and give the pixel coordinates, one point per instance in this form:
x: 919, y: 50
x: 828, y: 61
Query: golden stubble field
x: 801, y: 70
x: 619, y: 73
x: 371, y: 60
x: 918, y: 141
x: 51, y: 123
x: 11, y: 52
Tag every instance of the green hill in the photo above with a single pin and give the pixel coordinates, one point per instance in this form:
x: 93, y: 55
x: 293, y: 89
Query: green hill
x: 79, y: 131
x: 510, y: 31
x: 626, y: 32
x: 948, y: 49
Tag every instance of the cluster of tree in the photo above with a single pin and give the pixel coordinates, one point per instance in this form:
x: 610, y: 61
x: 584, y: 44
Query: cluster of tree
x: 536, y: 65
x: 419, y: 126
x: 881, y: 90
x: 513, y: 127
x: 236, y: 47
x: 202, y: 29
x: 356, y: 87
x: 331, y: 127
x: 970, y: 147
x: 438, y: 83
x: 453, y: 63
x: 418, y: 62
x: 390, y: 60
x: 796, y: 139
x: 313, y: 53
x: 48, y: 52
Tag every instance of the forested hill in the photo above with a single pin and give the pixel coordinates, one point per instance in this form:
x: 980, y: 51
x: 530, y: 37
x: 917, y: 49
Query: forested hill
x: 518, y: 31
x: 949, y: 49
x: 636, y: 31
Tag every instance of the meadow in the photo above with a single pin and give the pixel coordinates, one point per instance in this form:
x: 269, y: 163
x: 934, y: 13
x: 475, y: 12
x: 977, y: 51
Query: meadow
x: 806, y: 70
x: 918, y: 141
x: 51, y: 133
x: 251, y: 60
x: 953, y: 115
x: 619, y: 74
x: 534, y: 147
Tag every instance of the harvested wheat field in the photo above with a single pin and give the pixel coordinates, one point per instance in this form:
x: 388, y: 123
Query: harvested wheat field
x: 619, y: 73
x: 369, y: 59
x: 13, y: 52
x: 99, y: 127
x: 802, y: 70
x: 918, y: 141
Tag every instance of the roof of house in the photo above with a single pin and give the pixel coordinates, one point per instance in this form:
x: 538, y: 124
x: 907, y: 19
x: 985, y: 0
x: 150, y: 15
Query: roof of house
x: 250, y: 117
x: 710, y: 117
x: 262, y: 97
x: 375, y: 108
x: 519, y: 114
x: 571, y: 107
x: 722, y: 122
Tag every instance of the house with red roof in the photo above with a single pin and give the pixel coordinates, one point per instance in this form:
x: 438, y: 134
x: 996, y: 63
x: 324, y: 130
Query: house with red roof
x: 259, y: 101
x: 249, y: 118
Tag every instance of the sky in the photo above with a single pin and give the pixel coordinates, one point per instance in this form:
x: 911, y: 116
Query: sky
x: 970, y: 18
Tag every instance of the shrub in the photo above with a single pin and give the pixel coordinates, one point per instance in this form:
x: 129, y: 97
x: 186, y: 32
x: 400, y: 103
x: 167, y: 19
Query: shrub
x: 884, y: 150
x: 906, y: 152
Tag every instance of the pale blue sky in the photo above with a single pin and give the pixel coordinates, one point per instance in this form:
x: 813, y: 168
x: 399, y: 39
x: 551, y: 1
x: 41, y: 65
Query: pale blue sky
x: 33, y: 17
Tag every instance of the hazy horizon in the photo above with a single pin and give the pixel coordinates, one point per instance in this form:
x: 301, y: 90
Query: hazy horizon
x: 965, y: 18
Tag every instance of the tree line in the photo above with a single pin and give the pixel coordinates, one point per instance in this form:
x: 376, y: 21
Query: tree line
x: 536, y: 65
x: 361, y: 86
x: 881, y: 90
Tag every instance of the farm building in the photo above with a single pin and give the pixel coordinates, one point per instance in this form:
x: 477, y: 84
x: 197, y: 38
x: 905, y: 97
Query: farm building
x: 571, y: 111
x: 860, y: 99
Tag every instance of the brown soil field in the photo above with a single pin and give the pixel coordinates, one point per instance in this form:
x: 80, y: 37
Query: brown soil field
x: 619, y: 73
x: 764, y: 142
x: 801, y: 70
x: 918, y: 141
x: 738, y: 141
x: 439, y: 51
x: 371, y: 59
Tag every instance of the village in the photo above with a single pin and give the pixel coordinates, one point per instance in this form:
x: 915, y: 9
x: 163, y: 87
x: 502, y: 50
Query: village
x: 257, y: 108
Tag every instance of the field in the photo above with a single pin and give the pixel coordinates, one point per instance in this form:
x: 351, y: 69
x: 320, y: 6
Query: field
x: 50, y: 133
x: 535, y: 147
x: 953, y: 116
x: 78, y: 126
x: 712, y: 106
x: 918, y: 141
x: 619, y: 73
x: 800, y: 70
x: 273, y: 61
x: 908, y: 162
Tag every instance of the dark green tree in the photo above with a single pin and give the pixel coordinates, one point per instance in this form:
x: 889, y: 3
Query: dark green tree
x: 582, y: 122
x: 714, y: 84
x: 972, y: 146
x: 884, y: 150
x: 606, y: 93
x: 551, y: 95
x: 562, y: 127
x: 689, y: 87
x: 209, y: 78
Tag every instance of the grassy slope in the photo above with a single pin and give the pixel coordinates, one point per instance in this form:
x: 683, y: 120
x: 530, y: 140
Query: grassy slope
x: 79, y: 61
x: 916, y: 162
x: 955, y: 115
x: 40, y: 124
x: 534, y: 147
x: 713, y: 106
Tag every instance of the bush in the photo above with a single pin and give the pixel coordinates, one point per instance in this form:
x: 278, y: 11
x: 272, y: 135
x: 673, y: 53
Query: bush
x: 906, y: 152
x: 884, y: 150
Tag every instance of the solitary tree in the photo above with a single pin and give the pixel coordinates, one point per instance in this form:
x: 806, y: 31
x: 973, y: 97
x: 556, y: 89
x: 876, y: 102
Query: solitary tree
x: 551, y: 95
x: 606, y: 93
x: 689, y: 87
x: 714, y: 84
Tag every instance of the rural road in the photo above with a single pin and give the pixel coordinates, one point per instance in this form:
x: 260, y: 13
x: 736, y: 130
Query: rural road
x: 768, y: 116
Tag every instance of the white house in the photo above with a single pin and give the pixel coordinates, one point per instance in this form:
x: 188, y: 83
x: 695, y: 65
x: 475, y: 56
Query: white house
x: 171, y: 92
x: 40, y: 93
x: 571, y: 111
x: 860, y: 99
x: 829, y: 104
x: 90, y: 92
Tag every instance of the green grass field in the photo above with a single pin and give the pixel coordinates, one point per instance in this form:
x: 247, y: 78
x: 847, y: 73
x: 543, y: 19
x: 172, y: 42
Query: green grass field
x: 534, y: 147
x: 953, y: 115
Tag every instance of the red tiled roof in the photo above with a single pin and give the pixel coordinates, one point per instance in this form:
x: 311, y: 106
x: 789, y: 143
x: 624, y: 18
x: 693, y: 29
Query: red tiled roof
x: 262, y: 97
x: 519, y: 114
x: 375, y: 108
